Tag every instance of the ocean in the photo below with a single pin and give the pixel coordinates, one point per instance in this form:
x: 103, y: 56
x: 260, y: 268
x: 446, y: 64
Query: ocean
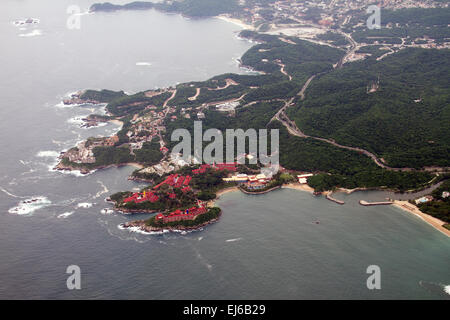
x: 264, y: 247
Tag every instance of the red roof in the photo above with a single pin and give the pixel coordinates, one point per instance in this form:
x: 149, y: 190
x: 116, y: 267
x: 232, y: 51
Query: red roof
x: 139, y: 197
x: 177, y: 215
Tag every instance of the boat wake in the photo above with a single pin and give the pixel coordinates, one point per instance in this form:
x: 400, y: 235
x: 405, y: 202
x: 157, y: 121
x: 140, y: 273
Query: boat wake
x: 144, y: 64
x: 233, y: 240
x: 65, y: 215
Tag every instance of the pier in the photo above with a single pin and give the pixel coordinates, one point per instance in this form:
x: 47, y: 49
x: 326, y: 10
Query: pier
x: 329, y: 197
x: 382, y: 203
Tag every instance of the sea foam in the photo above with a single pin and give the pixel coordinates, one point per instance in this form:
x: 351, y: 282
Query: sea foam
x: 447, y: 289
x: 85, y: 205
x: 28, y: 206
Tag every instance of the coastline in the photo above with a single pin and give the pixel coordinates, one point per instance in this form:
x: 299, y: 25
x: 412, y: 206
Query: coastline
x: 85, y: 171
x: 235, y: 22
x: 434, y: 222
x: 301, y: 187
x: 143, y: 227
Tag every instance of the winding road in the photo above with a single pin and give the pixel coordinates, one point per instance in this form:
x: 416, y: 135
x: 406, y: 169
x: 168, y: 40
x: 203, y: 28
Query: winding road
x: 292, y: 128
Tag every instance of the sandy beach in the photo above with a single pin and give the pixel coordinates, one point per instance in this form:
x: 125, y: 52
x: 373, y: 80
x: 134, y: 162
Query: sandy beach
x: 115, y: 121
x: 227, y: 190
x: 136, y: 165
x: 236, y: 22
x: 212, y: 203
x: 301, y: 187
x: 434, y: 222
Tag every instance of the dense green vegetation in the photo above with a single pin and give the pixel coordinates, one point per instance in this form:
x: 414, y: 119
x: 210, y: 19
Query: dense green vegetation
x: 339, y: 167
x: 302, y: 59
x: 112, y: 155
x: 335, y: 38
x: 203, y: 8
x: 149, y: 154
x: 408, y: 23
x: 371, y: 178
x: 375, y: 51
x: 338, y: 106
x: 439, y: 207
x: 387, y: 122
x: 191, y: 8
x: 204, y: 187
x: 132, y: 104
x: 426, y: 17
x: 102, y: 96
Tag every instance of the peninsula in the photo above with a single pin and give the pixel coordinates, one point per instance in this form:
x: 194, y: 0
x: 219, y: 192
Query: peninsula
x: 356, y: 108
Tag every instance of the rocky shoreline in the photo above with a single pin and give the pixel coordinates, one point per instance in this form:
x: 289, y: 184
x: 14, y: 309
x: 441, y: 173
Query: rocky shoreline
x: 83, y: 170
x: 142, y: 226
x: 75, y: 98
x: 260, y: 192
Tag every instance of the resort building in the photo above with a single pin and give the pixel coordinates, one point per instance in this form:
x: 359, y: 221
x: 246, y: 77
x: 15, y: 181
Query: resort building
x: 242, y: 177
x: 179, y: 215
x: 139, y: 197
x: 255, y: 186
x: 424, y: 199
x: 303, y: 178
x: 232, y: 166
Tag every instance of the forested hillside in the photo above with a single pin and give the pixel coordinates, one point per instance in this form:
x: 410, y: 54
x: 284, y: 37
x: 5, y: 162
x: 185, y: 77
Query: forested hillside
x: 405, y: 120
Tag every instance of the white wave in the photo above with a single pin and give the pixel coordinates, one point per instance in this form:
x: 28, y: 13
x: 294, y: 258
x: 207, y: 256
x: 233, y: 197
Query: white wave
x: 78, y: 120
x: 146, y: 64
x: 33, y: 33
x: 140, y: 231
x: 65, y: 215
x: 447, y: 289
x: 233, y: 240
x: 85, y: 205
x: 200, y: 238
x: 47, y: 154
x: 107, y: 211
x: 28, y: 206
x: 76, y: 173
x: 62, y: 105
